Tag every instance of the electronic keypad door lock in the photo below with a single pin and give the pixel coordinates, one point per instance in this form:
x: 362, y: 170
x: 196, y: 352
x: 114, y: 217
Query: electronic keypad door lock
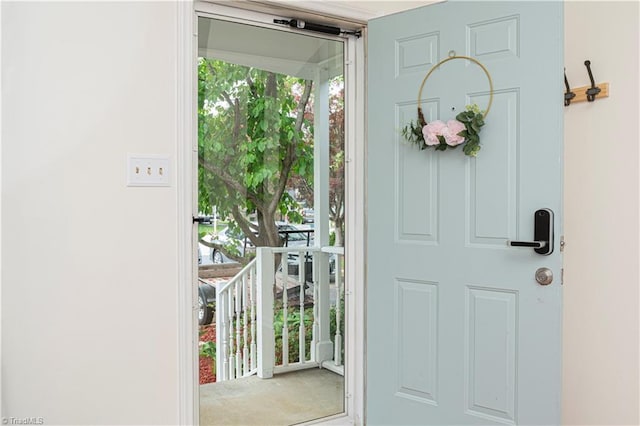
x: 542, y: 233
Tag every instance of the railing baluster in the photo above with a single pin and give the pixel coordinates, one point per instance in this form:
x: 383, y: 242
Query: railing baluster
x: 316, y: 324
x: 302, y: 356
x: 337, y: 354
x: 219, y: 344
x: 245, y: 325
x: 230, y: 303
x: 225, y: 339
x: 238, y: 306
x: 253, y: 350
x: 285, y: 309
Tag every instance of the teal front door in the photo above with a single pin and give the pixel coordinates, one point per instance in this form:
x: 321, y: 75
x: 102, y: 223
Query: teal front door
x: 459, y: 330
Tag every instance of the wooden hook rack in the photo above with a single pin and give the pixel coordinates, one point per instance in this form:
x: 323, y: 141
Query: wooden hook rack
x: 581, y: 92
x: 585, y: 93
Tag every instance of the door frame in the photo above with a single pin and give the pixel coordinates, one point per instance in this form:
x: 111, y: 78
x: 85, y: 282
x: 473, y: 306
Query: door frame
x: 355, y: 203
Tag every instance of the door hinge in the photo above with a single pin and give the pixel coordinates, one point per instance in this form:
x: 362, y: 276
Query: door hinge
x: 562, y: 243
x: 203, y: 219
x: 562, y: 276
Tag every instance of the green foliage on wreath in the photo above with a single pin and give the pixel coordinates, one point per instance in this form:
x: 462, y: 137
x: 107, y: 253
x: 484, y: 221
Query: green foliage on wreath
x: 472, y: 119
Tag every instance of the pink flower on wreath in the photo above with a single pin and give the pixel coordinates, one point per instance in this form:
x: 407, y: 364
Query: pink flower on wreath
x: 450, y: 133
x: 431, y: 132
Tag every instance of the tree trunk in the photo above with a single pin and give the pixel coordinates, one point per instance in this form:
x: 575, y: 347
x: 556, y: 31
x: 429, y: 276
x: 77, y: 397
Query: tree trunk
x: 339, y: 223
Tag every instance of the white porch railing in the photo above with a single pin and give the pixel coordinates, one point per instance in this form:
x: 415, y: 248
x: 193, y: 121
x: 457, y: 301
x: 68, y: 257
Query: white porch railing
x: 336, y: 364
x: 286, y: 295
x: 236, y: 345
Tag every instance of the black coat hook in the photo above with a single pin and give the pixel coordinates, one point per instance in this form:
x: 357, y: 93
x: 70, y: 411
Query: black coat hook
x: 593, y: 91
x: 568, y: 95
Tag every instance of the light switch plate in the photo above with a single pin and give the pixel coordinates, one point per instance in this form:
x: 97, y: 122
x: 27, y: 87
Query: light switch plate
x: 148, y: 170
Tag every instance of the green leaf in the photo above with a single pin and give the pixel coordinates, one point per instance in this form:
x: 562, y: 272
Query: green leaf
x: 412, y: 132
x: 257, y: 109
x: 250, y: 158
x: 462, y: 117
x: 471, y: 149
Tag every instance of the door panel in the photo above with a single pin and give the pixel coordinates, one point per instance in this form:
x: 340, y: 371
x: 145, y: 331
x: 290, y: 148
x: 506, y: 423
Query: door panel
x: 492, y: 184
x: 417, y: 210
x: 490, y: 379
x: 458, y: 330
x: 416, y: 378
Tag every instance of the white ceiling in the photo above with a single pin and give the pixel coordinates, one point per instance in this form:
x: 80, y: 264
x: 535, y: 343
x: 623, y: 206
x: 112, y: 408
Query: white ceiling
x: 283, y: 52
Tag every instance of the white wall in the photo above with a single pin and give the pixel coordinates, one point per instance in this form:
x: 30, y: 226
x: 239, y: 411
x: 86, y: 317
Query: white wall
x: 89, y: 269
x: 600, y: 380
x: 89, y: 275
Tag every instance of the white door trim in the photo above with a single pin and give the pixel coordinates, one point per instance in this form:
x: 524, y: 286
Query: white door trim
x: 186, y: 135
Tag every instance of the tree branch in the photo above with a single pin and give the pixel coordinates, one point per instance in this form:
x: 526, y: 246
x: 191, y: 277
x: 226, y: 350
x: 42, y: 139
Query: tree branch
x: 246, y: 226
x: 227, y: 98
x: 251, y: 85
x: 289, y: 158
x: 229, y: 181
x: 302, y: 105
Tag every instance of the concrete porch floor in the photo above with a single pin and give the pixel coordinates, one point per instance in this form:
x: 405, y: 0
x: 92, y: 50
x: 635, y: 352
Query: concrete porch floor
x: 285, y: 399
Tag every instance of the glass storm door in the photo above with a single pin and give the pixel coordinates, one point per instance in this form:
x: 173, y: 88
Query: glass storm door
x: 270, y: 174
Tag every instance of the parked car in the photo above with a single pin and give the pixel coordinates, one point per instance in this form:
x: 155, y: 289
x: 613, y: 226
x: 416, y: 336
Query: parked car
x: 206, y: 302
x: 308, y: 215
x: 233, y: 239
x: 292, y: 236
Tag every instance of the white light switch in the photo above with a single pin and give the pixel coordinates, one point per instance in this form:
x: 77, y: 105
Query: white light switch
x: 147, y: 170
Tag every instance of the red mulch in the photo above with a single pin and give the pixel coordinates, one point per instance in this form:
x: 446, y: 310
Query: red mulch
x: 207, y: 334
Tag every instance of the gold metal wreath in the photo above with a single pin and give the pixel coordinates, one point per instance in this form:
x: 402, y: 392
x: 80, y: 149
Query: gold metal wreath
x: 452, y: 56
x: 428, y: 135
